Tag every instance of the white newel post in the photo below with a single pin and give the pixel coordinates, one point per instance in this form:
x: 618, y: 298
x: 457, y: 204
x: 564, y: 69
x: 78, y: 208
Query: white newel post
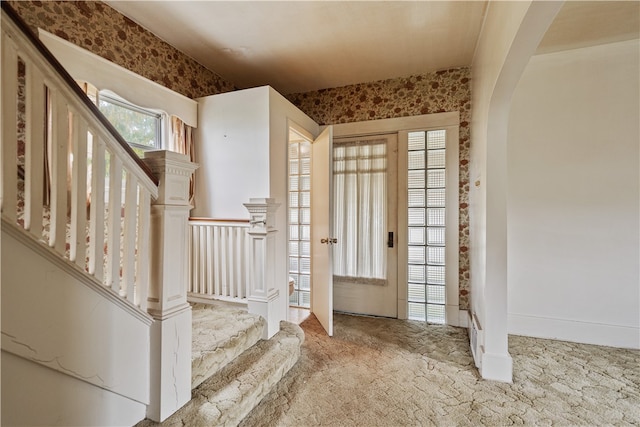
x: 167, y: 301
x: 262, y: 290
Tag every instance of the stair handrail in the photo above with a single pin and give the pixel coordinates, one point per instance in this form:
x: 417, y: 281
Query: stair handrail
x: 57, y: 112
x: 113, y: 138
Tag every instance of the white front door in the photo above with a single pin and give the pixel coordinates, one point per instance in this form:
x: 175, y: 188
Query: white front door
x: 321, y: 230
x: 365, y: 223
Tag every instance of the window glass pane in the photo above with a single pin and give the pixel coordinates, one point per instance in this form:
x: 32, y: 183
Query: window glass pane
x: 416, y: 160
x: 305, y: 282
x: 416, y: 311
x: 305, y: 265
x: 293, y: 199
x: 294, y: 167
x: 305, y: 216
x: 305, y: 164
x: 435, y: 216
x: 435, y: 294
x: 416, y: 293
x: 293, y: 298
x: 416, y: 198
x: 305, y: 232
x: 416, y: 216
x: 305, y: 299
x: 435, y: 236
x: 435, y: 275
x: 435, y: 255
x: 416, y: 273
x: 293, y: 183
x: 416, y: 179
x: 293, y: 232
x: 294, y: 150
x: 293, y: 216
x: 416, y: 236
x: 435, y: 178
x: 436, y: 139
x: 416, y: 141
x: 435, y: 313
x: 305, y: 182
x: 426, y: 231
x: 436, y: 197
x: 135, y: 125
x: 305, y: 248
x: 417, y: 255
x: 305, y: 199
x: 293, y: 248
x: 293, y: 264
x: 435, y: 159
x: 300, y: 213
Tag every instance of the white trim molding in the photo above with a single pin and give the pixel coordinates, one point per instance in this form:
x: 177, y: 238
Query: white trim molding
x: 105, y: 75
x: 575, y: 331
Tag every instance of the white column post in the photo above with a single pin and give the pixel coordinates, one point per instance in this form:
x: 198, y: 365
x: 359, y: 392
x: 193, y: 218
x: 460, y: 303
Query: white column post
x: 262, y: 287
x: 170, y: 378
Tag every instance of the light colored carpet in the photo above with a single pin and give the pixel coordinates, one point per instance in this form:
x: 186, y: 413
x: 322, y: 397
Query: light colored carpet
x: 231, y: 393
x: 382, y: 372
x: 221, y: 332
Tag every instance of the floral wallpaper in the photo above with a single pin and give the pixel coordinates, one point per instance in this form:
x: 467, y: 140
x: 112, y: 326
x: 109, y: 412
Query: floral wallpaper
x: 102, y: 30
x: 437, y: 92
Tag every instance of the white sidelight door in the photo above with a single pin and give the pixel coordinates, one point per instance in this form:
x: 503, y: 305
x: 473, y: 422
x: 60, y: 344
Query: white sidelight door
x: 365, y: 224
x: 322, y: 239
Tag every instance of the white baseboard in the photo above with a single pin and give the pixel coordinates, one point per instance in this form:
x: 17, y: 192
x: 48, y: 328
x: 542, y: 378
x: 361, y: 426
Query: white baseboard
x: 496, y: 367
x: 456, y: 317
x: 575, y: 331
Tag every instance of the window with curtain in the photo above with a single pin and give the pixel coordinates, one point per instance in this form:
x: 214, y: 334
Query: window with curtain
x: 360, y: 214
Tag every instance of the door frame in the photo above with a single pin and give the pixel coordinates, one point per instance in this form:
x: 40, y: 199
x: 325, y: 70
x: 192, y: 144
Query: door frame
x: 449, y: 121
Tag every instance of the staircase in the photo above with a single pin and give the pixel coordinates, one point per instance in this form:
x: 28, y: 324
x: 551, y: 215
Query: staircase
x: 232, y: 369
x: 95, y: 245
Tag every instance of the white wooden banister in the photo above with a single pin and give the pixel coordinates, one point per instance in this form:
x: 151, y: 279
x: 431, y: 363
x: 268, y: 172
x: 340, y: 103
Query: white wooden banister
x: 219, y: 260
x: 47, y: 122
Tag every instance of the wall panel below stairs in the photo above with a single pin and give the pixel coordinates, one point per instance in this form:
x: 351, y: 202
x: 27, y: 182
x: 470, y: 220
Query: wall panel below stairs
x: 73, y: 353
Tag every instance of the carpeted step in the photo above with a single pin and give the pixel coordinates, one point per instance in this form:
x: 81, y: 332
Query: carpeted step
x: 228, y: 396
x: 221, y: 332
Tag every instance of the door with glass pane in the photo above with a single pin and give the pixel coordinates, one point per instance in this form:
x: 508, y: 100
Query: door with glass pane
x: 365, y: 225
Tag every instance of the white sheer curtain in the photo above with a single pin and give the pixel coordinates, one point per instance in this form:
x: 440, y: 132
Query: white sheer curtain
x: 360, y: 211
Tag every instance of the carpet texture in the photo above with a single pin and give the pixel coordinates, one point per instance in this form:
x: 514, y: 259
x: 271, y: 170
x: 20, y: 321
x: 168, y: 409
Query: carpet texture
x: 382, y: 372
x: 221, y: 332
x: 232, y: 392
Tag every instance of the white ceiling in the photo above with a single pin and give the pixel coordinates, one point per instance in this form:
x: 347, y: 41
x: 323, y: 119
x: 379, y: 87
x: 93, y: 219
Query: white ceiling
x: 298, y: 46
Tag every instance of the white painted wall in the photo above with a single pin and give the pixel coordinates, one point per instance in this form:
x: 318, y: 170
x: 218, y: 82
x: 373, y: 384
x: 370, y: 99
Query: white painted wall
x: 241, y: 147
x: 232, y: 149
x: 509, y: 36
x: 71, y: 338
x: 574, y: 197
x: 38, y: 396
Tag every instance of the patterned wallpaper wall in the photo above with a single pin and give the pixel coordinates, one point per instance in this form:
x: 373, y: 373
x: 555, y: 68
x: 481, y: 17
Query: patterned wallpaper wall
x: 102, y: 30
x: 436, y: 92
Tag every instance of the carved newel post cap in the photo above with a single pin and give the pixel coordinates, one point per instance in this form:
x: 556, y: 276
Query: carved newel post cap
x: 262, y: 213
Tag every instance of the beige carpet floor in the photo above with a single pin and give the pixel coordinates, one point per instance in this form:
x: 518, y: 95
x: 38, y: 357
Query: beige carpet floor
x: 382, y: 372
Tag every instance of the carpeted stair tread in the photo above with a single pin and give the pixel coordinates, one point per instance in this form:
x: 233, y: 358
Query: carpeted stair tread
x: 221, y: 332
x: 228, y: 396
